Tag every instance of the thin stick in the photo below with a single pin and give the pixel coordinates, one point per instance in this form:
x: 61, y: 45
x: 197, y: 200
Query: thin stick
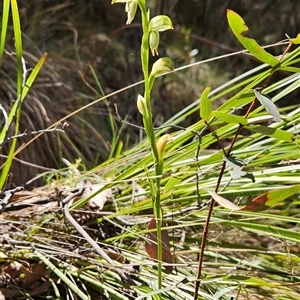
x: 65, y: 206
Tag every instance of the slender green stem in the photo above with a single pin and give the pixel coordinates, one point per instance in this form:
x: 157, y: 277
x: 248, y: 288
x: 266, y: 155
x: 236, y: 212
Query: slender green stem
x: 148, y: 124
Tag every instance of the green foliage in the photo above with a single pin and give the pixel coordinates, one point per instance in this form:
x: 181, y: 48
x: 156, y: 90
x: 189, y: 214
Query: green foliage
x: 205, y: 105
x: 238, y: 27
x: 23, y: 83
x: 5, y: 14
x: 177, y: 172
x: 150, y: 42
x: 196, y: 171
x: 269, y: 105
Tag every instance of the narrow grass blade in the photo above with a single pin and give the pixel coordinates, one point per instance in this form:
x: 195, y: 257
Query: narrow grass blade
x: 5, y: 14
x: 274, y: 231
x: 18, y: 44
x: 33, y: 75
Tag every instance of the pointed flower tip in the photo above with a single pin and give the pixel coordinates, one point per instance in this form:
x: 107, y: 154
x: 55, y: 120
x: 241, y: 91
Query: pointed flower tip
x: 154, y: 42
x: 154, y: 52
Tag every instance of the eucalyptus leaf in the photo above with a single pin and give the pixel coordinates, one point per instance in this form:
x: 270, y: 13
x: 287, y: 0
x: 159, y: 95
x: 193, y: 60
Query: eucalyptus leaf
x: 237, y: 171
x: 205, y: 105
x: 296, y: 40
x: 273, y: 132
x: 268, y: 105
x: 230, y: 118
x: 223, y: 202
x: 238, y: 26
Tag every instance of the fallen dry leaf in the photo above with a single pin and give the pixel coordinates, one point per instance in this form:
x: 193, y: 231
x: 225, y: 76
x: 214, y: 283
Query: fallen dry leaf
x: 151, y: 245
x: 272, y: 197
x: 223, y: 202
x: 99, y: 199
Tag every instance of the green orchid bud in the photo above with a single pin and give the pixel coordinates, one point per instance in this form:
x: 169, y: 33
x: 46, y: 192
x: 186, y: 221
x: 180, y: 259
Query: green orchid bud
x: 162, y: 143
x: 141, y: 104
x: 161, y: 66
x: 154, y: 42
x: 160, y: 23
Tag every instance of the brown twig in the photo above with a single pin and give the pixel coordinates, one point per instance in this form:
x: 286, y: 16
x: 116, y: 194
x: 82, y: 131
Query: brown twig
x: 66, y: 203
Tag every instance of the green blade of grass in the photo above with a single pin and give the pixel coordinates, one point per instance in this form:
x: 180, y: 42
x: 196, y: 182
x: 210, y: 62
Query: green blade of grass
x: 33, y: 75
x: 22, y: 90
x: 18, y: 45
x: 17, y: 107
x: 5, y: 14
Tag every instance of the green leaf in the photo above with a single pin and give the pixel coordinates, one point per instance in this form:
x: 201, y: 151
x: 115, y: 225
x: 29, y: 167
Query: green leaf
x: 278, y: 195
x: 5, y: 14
x: 33, y: 75
x: 18, y: 43
x: 25, y: 89
x: 273, y: 132
x: 296, y: 40
x: 274, y: 231
x: 229, y: 118
x: 261, y: 282
x: 268, y: 105
x: 61, y: 276
x: 237, y: 171
x: 214, y: 158
x: 269, y: 199
x: 22, y: 89
x: 205, y: 105
x: 16, y: 110
x: 238, y: 26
